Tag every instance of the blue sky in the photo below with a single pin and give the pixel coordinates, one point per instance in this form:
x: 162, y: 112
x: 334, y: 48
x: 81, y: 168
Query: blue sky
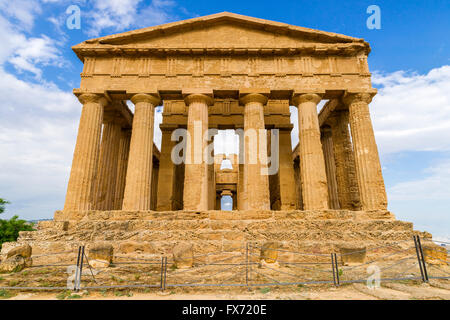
x: 410, y: 63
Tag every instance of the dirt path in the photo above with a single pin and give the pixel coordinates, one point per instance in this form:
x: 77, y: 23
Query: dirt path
x: 388, y: 291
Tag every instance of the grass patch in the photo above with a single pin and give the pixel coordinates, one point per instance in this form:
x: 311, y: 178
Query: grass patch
x: 63, y: 295
x: 117, y: 279
x: 123, y: 294
x: 265, y: 290
x: 5, y: 294
x: 13, y: 283
x: 74, y: 296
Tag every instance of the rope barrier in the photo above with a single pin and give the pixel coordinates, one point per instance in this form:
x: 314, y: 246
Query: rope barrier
x: 300, y: 266
x: 251, y: 258
x: 381, y: 258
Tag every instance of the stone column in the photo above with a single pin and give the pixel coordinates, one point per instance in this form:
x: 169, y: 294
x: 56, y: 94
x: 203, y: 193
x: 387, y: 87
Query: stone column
x: 166, y: 170
x: 122, y: 164
x: 196, y: 186
x: 211, y: 176
x: 155, y: 175
x: 298, y: 184
x: 256, y: 181
x: 330, y: 167
x: 218, y: 202
x: 137, y: 194
x: 312, y: 163
x: 79, y: 194
x: 368, y: 167
x: 286, y: 171
x: 240, y: 188
x: 107, y: 166
x: 347, y: 183
x: 234, y: 198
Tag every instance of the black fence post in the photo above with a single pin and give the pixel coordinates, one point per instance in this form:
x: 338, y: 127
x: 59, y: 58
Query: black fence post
x: 332, y: 268
x: 424, y: 264
x: 246, y: 265
x: 80, y: 273
x: 165, y: 273
x: 338, y: 282
x: 416, y: 245
x: 77, y: 270
x: 162, y: 273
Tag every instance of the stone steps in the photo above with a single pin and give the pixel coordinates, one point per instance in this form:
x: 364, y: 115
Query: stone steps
x: 208, y: 234
x: 235, y: 225
x: 220, y: 215
x: 292, y: 249
x: 153, y: 233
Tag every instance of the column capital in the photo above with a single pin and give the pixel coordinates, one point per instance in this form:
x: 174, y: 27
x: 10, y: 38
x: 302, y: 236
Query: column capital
x: 355, y: 97
x: 198, y: 97
x: 148, y: 98
x: 253, y: 97
x: 92, y: 97
x: 284, y: 127
x: 325, y: 129
x: 298, y: 98
x: 168, y: 127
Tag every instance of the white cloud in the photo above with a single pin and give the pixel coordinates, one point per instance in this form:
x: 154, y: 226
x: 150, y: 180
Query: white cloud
x: 36, y: 51
x: 38, y: 124
x: 411, y: 112
x: 23, y: 11
x: 119, y: 15
x: 436, y: 186
x: 27, y: 53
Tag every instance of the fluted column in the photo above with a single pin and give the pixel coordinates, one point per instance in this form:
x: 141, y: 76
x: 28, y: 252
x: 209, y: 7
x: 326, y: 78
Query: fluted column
x: 347, y: 182
x: 330, y: 168
x: 286, y: 171
x: 368, y: 168
x: 122, y: 165
x: 79, y: 194
x: 137, y: 194
x: 107, y: 165
x: 196, y: 186
x: 233, y: 197
x: 241, y: 197
x: 166, y: 173
x: 155, y: 176
x: 256, y: 181
x: 312, y: 163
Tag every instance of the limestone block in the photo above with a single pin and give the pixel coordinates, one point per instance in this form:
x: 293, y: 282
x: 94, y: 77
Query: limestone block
x: 15, y: 263
x: 23, y: 251
x: 269, y: 253
x: 136, y: 247
x: 352, y: 255
x: 100, y: 255
x: 434, y: 254
x: 183, y: 255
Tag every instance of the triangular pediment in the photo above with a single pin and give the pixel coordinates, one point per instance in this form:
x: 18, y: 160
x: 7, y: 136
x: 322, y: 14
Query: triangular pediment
x: 222, y: 30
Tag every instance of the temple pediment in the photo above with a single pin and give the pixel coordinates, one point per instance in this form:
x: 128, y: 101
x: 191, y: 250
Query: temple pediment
x: 225, y: 32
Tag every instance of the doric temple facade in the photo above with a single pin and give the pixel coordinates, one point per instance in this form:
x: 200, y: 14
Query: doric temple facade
x: 225, y: 71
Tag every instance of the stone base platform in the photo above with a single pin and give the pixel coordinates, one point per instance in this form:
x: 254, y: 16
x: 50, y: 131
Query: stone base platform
x: 153, y: 233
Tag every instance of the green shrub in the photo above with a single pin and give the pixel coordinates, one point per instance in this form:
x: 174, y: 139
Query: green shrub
x: 9, y: 229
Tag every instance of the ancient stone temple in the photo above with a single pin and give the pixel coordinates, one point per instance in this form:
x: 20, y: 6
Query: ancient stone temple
x: 223, y: 71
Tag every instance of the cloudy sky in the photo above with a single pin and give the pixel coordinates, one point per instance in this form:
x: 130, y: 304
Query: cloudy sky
x: 410, y: 63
